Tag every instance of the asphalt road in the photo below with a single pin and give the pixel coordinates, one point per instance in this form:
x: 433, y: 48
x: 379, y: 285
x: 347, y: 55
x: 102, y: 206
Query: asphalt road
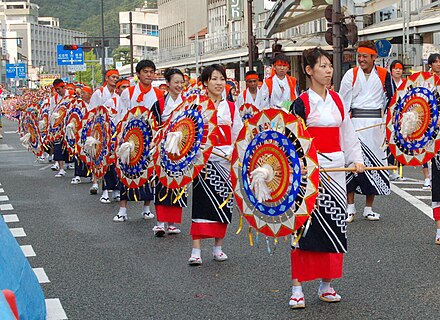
x: 105, y: 270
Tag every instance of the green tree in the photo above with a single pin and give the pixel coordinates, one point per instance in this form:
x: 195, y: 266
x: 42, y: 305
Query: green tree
x: 122, y: 54
x: 92, y: 76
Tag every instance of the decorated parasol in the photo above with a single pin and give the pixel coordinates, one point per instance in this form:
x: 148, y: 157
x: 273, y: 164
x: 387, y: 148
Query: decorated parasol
x: 95, y: 139
x: 56, y: 122
x: 73, y: 125
x: 412, y: 122
x: 43, y: 125
x: 30, y: 134
x: 134, y: 164
x: 247, y: 111
x: 184, y: 143
x: 270, y: 191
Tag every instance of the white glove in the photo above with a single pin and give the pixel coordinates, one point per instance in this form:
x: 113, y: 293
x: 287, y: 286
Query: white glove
x: 410, y: 122
x: 90, y: 145
x: 260, y: 177
x: 124, y: 152
x: 54, y: 117
x: 173, y: 141
x: 70, y: 134
x: 25, y: 140
x: 41, y: 125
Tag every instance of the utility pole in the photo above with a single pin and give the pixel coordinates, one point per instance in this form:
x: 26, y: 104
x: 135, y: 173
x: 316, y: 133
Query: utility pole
x: 130, y: 19
x: 102, y: 42
x: 337, y: 44
x: 251, y: 39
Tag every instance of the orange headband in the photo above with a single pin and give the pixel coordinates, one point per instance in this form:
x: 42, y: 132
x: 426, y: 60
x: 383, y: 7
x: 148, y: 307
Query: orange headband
x: 61, y: 84
x: 398, y: 66
x: 87, y: 89
x: 252, y: 77
x: 122, y: 82
x: 281, y: 63
x: 367, y: 50
x: 112, y: 72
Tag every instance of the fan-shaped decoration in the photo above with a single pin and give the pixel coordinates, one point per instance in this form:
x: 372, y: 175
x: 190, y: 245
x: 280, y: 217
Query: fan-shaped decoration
x: 270, y: 191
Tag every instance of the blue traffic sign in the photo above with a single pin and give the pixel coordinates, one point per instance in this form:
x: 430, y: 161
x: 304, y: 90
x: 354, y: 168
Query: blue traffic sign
x: 69, y: 57
x: 16, y: 70
x: 383, y: 48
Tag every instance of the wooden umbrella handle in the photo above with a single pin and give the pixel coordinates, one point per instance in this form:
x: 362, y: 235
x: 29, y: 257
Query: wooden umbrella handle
x: 354, y: 169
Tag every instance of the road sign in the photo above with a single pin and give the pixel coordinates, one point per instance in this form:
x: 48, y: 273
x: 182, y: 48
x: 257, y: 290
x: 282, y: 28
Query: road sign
x: 383, y: 48
x: 16, y: 70
x: 69, y: 57
x: 78, y: 67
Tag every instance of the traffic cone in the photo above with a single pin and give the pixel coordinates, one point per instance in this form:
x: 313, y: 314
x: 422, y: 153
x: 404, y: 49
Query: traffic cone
x: 10, y: 298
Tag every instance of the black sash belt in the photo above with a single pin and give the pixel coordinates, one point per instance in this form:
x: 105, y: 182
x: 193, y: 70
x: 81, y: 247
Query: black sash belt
x: 366, y: 113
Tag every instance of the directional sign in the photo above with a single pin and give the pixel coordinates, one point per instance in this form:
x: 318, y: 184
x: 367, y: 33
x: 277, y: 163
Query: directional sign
x: 75, y: 68
x: 69, y: 57
x: 16, y: 70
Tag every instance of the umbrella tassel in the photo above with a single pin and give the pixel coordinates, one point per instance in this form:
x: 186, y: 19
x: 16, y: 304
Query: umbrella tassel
x: 251, y: 241
x: 180, y: 195
x: 226, y: 201
x: 164, y: 197
x: 240, y: 226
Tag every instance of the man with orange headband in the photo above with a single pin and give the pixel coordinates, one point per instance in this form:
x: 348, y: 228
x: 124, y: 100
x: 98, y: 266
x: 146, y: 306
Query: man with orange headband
x: 279, y: 87
x: 249, y: 95
x: 99, y: 97
x: 367, y: 91
x: 111, y: 180
x: 142, y: 94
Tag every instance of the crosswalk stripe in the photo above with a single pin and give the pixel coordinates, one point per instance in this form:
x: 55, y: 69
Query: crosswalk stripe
x: 409, y: 182
x: 424, y: 197
x: 4, y: 198
x: 415, y: 189
x: 6, y: 207
x: 10, y: 218
x: 419, y: 204
x: 55, y: 310
x: 41, y: 275
x: 18, y: 232
x: 28, y: 251
x: 2, y: 190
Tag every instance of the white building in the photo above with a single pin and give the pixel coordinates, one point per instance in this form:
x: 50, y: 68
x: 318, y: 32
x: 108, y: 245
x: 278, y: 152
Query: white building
x: 38, y: 38
x: 145, y: 31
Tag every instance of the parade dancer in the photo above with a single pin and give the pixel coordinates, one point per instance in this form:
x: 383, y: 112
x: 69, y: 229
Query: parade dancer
x: 367, y: 91
x: 99, y: 97
x: 249, y: 95
x: 142, y: 94
x: 111, y: 181
x: 319, y: 253
x: 279, y: 87
x: 212, y: 187
x: 167, y: 213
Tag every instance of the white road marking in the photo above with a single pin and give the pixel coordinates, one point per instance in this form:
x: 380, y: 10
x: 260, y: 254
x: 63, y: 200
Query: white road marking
x: 41, y: 275
x: 2, y: 190
x: 5, y: 147
x: 415, y: 189
x: 18, y: 232
x: 10, y: 132
x: 424, y: 197
x: 4, y: 198
x: 45, y: 167
x: 55, y: 310
x: 28, y: 251
x: 10, y: 218
x: 419, y: 204
x: 408, y: 182
x: 6, y: 207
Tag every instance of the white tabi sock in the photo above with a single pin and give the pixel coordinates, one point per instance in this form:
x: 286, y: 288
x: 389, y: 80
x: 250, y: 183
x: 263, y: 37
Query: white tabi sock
x: 116, y: 193
x: 146, y: 209
x: 324, y: 286
x: 105, y: 193
x: 297, y: 289
x: 351, y: 208
x: 161, y: 224
x: 217, y: 250
x: 196, y: 253
x: 122, y: 211
x: 368, y: 210
x: 438, y: 233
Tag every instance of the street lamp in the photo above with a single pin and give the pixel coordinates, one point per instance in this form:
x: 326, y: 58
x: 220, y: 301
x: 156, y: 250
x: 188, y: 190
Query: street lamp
x: 102, y: 41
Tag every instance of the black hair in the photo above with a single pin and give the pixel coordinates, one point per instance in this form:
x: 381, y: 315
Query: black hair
x: 281, y: 57
x: 251, y: 72
x: 393, y: 64
x: 207, y: 72
x: 172, y: 71
x: 433, y: 57
x: 57, y: 82
x: 312, y: 56
x: 367, y: 44
x: 145, y: 64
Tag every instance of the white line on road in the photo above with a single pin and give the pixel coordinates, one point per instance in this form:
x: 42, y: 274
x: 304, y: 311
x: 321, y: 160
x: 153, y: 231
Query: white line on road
x: 10, y: 218
x: 5, y: 147
x: 415, y: 189
x: 10, y: 132
x: 45, y: 167
x: 2, y: 190
x: 28, y: 251
x: 4, y: 198
x: 55, y: 310
x: 41, y: 275
x: 424, y: 197
x: 6, y: 207
x: 419, y: 204
x: 18, y: 232
x: 408, y: 182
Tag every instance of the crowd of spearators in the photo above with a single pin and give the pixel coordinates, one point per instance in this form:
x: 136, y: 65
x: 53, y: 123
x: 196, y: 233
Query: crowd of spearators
x: 74, y: 121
